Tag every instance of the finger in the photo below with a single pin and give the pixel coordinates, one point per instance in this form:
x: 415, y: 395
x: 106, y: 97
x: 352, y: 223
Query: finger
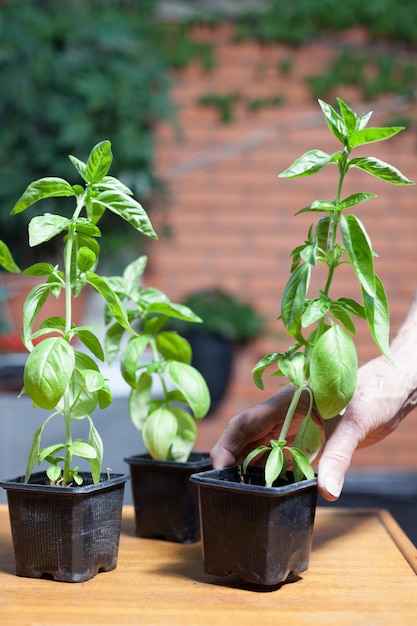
x: 336, y: 457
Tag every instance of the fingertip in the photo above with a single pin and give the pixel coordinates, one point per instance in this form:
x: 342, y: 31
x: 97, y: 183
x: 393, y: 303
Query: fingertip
x: 330, y: 488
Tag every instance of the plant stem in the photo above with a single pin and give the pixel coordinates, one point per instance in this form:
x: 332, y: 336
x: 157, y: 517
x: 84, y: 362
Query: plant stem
x: 290, y: 413
x: 68, y: 323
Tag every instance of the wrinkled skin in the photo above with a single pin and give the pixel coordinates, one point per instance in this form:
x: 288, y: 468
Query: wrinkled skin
x: 385, y: 393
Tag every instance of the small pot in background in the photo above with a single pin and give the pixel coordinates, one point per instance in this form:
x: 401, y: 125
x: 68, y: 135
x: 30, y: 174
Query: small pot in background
x: 165, y: 501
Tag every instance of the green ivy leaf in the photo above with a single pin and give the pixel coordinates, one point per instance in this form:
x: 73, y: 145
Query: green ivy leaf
x: 333, y: 368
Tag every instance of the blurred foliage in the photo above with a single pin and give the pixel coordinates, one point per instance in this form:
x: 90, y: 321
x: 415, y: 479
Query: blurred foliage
x: 296, y: 23
x: 73, y: 73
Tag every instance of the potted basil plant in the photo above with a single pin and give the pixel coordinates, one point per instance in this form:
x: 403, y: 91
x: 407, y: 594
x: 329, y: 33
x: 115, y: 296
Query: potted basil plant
x: 321, y: 364
x: 65, y: 522
x: 168, y: 396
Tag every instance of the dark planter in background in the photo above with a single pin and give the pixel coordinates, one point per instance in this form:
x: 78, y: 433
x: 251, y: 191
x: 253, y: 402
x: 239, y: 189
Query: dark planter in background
x: 263, y: 534
x: 213, y: 358
x: 165, y: 501
x: 65, y: 533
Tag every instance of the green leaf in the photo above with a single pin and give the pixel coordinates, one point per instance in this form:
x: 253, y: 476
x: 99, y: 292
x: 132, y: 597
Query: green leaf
x: 80, y: 166
x: 31, y: 307
x: 127, y: 208
x: 292, y: 302
x: 172, y: 346
x: 335, y: 122
x: 130, y: 358
x: 293, y: 368
x: 378, y: 317
x: 48, y: 370
x: 133, y: 273
x: 174, y: 310
x: 333, y: 371
x: 86, y: 259
x: 111, y: 299
x: 359, y: 251
x: 343, y: 315
x: 54, y: 473
x: 252, y: 455
x: 192, y: 385
x: 40, y: 189
x: 91, y: 341
x: 159, y: 432
x: 139, y: 400
x: 381, y: 170
x: 44, y: 227
x: 301, y: 466
x: 355, y: 199
x: 186, y: 435
x: 98, y: 162
x: 273, y: 465
x: 349, y: 116
x: 6, y: 259
x: 82, y: 449
x: 309, y: 163
x: 96, y: 443
x: 33, y: 452
x: 315, y: 310
x: 308, y: 438
x: 261, y: 366
x: 369, y: 135
x: 112, y: 340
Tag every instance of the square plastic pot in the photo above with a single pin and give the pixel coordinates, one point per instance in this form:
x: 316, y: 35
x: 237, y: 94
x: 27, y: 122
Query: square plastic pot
x: 68, y: 534
x: 262, y: 534
x: 165, y: 501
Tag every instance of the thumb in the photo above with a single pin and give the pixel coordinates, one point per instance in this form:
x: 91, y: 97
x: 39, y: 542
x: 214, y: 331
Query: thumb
x: 336, y: 458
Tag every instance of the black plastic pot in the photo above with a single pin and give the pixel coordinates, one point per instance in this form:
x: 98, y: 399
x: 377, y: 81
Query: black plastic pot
x: 213, y: 358
x: 165, y: 501
x: 260, y: 533
x: 68, y: 534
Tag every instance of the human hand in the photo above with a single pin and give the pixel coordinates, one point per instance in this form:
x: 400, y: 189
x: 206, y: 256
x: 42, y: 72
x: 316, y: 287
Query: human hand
x: 381, y: 401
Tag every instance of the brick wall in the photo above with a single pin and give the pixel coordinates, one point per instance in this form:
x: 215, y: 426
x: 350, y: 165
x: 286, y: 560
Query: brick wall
x: 232, y: 218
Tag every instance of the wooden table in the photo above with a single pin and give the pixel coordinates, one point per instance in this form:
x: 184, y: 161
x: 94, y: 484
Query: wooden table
x: 362, y: 572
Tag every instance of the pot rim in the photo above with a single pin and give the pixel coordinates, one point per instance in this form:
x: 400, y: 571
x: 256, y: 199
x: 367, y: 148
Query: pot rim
x: 223, y: 479
x: 37, y: 483
x: 146, y: 459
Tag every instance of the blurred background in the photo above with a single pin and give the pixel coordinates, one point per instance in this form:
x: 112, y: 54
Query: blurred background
x: 205, y: 102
